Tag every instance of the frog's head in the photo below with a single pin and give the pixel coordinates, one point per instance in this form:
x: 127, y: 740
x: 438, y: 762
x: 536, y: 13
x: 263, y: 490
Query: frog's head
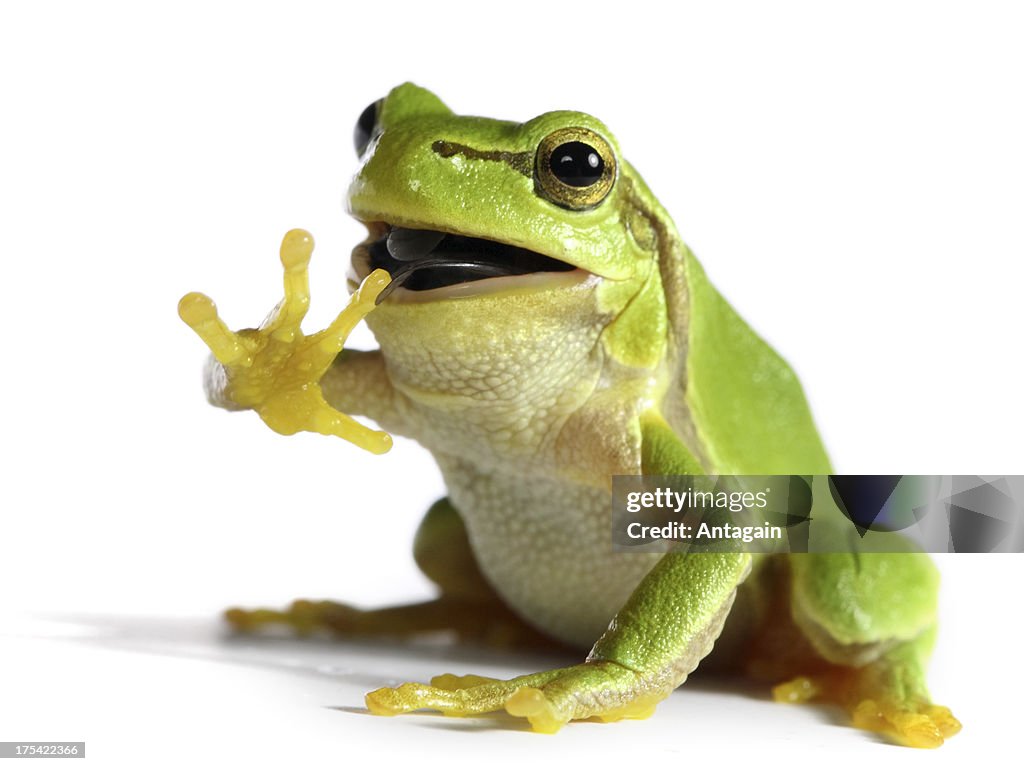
x: 480, y: 220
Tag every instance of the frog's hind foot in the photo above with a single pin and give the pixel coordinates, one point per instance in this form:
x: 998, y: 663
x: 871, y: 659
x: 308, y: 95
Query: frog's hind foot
x: 303, y: 617
x: 916, y: 724
x: 306, y: 617
x: 471, y: 621
x: 875, y: 703
x: 597, y: 690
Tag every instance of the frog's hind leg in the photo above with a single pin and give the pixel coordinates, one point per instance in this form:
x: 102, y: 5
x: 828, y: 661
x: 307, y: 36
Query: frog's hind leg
x: 467, y: 605
x: 667, y: 626
x: 876, y: 670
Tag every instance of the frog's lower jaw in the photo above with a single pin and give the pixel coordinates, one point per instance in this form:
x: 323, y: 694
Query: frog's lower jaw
x: 440, y: 265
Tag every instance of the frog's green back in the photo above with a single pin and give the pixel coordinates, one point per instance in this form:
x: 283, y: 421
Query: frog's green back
x: 749, y: 410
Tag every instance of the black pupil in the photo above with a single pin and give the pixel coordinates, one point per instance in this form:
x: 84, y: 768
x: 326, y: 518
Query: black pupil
x: 364, y: 128
x: 577, y: 164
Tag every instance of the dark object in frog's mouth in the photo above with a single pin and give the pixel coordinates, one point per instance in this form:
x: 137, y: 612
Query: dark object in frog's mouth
x: 428, y: 259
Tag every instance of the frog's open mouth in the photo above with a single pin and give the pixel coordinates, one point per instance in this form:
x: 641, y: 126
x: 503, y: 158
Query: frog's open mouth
x: 421, y: 260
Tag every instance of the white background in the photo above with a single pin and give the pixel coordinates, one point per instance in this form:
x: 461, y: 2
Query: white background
x: 850, y: 174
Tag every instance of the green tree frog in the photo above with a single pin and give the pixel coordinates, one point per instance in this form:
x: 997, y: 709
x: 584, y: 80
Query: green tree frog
x: 542, y: 327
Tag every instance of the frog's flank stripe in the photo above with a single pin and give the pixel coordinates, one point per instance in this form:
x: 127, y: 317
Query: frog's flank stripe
x: 521, y: 162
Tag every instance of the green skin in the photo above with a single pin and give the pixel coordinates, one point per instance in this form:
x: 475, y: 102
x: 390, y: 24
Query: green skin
x: 532, y: 391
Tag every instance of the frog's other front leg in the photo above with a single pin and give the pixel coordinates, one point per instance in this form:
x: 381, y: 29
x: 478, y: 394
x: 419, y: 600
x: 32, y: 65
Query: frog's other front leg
x: 871, y: 618
x: 669, y: 624
x: 468, y: 606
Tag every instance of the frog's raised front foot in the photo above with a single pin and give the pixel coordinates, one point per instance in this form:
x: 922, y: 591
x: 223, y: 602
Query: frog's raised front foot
x: 276, y: 369
x: 876, y: 706
x: 600, y: 690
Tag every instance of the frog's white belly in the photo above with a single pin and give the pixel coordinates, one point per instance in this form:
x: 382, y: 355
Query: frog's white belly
x: 545, y: 545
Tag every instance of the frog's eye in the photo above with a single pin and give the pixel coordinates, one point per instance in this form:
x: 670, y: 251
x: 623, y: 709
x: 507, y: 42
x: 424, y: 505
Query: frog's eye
x: 575, y: 168
x: 365, y: 127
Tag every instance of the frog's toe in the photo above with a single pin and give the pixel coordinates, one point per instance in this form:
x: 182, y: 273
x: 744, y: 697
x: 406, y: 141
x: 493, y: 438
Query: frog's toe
x: 407, y: 697
x: 250, y: 620
x: 919, y: 725
x: 945, y: 720
x: 485, y: 695
x: 451, y: 682
x: 797, y: 691
x: 545, y: 717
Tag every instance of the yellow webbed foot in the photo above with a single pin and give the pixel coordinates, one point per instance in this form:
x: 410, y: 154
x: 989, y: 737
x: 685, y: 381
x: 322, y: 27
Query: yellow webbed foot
x: 276, y: 369
x: 303, y: 617
x: 916, y: 724
x: 875, y: 705
x: 548, y: 700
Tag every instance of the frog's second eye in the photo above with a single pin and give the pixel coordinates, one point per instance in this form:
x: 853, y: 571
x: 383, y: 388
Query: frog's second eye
x: 365, y: 127
x: 575, y: 168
